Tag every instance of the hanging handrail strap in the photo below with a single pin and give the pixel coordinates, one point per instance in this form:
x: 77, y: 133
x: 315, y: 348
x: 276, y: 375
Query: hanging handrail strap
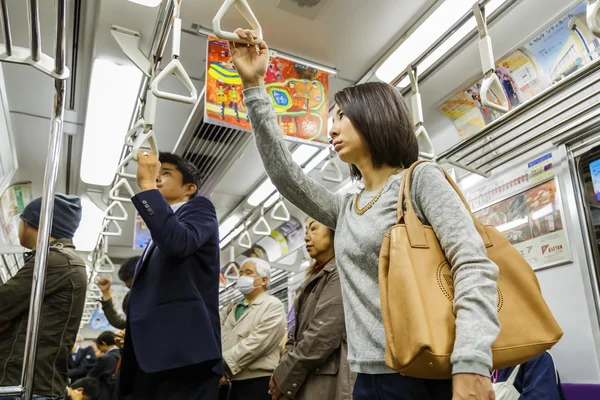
x: 244, y: 8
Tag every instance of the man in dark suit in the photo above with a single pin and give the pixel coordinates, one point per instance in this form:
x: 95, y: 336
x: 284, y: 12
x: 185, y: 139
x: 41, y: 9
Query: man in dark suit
x: 106, y: 366
x: 173, y: 341
x: 81, y: 360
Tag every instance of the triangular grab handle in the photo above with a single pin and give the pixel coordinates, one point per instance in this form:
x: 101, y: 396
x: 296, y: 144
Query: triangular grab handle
x: 491, y: 85
x: 176, y: 68
x: 124, y: 216
x: 106, y: 227
x: 105, y: 265
x: 261, y: 227
x: 244, y: 240
x: 429, y: 152
x: 145, y: 137
x: 280, y: 206
x: 331, y: 167
x: 244, y: 9
x: 229, y: 268
x: 137, y: 128
x: 114, y: 192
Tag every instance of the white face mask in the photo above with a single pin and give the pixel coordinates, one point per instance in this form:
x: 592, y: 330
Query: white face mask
x: 245, y: 284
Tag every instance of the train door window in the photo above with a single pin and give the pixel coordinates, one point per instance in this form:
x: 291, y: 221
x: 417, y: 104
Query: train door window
x: 588, y: 171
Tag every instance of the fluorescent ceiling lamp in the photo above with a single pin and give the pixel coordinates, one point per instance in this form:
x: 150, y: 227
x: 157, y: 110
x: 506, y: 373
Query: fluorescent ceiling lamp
x: 262, y: 192
x: 112, y: 96
x: 427, y: 33
x: 90, y: 226
x: 300, y: 155
x: 228, y: 225
x: 319, y: 158
x: 232, y: 236
x: 147, y: 3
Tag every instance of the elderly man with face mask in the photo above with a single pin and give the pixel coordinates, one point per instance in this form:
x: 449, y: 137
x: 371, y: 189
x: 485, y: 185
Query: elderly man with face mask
x: 251, y: 332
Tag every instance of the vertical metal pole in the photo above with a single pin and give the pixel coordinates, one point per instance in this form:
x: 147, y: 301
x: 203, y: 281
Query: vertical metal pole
x: 6, y: 28
x: 34, y: 26
x: 42, y: 246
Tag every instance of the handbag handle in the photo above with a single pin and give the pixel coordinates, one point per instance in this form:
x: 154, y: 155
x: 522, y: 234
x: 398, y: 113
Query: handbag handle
x: 415, y: 229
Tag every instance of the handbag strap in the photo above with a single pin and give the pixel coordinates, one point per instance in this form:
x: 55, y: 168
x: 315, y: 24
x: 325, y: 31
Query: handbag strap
x: 414, y: 227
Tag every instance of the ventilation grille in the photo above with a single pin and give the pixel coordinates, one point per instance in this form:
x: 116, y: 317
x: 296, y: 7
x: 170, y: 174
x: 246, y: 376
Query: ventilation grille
x: 305, y: 8
x: 211, y: 148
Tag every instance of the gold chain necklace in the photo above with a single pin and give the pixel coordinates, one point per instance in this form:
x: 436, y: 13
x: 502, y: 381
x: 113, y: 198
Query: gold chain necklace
x: 361, y: 211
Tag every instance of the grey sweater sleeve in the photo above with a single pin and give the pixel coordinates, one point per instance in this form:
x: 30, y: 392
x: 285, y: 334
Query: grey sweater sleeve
x: 286, y: 175
x: 475, y: 275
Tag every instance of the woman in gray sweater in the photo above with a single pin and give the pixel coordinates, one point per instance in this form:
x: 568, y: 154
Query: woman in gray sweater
x: 373, y: 132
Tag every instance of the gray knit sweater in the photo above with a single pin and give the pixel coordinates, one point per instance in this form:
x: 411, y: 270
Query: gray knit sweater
x: 358, y: 239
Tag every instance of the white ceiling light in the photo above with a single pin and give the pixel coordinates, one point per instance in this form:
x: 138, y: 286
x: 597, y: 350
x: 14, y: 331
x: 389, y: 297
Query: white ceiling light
x: 303, y: 153
x: 147, y: 3
x: 90, y: 226
x: 427, y: 33
x: 300, y: 155
x: 319, y: 158
x: 262, y: 192
x: 113, y: 93
x: 228, y: 225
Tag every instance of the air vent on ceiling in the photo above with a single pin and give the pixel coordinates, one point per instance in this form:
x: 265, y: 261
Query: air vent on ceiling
x: 304, y: 8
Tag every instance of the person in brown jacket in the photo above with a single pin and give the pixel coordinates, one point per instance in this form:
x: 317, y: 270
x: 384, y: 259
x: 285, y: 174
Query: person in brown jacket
x: 315, y: 366
x: 126, y: 272
x: 62, y: 309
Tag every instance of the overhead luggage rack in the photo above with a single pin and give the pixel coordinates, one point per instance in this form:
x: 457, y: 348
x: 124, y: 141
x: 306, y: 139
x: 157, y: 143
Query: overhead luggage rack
x: 569, y: 105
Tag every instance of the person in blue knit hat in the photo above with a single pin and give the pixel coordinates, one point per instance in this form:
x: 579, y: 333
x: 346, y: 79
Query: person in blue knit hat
x: 62, y: 308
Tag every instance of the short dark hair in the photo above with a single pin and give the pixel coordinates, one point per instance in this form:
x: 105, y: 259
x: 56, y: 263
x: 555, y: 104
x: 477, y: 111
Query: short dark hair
x: 127, y: 269
x: 378, y: 111
x: 107, y: 338
x: 189, y: 172
x: 89, y: 386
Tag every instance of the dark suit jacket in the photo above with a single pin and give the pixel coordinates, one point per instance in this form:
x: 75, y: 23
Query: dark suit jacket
x: 104, y: 372
x: 85, y: 358
x: 173, y: 318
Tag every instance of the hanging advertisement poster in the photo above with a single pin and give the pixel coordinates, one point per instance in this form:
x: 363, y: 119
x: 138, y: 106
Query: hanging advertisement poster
x: 532, y: 222
x: 282, y: 241
x: 299, y: 94
x: 141, y: 233
x: 561, y: 49
x: 565, y: 46
x: 12, y: 203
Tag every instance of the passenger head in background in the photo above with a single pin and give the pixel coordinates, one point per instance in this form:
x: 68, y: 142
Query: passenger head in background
x: 372, y: 128
x: 178, y: 179
x: 78, y: 343
x: 83, y: 389
x: 97, y: 351
x: 127, y: 270
x: 66, y: 219
x: 255, y: 275
x: 319, y: 245
x: 106, y: 341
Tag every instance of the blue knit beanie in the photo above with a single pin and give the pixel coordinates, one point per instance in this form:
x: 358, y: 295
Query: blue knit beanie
x: 67, y: 215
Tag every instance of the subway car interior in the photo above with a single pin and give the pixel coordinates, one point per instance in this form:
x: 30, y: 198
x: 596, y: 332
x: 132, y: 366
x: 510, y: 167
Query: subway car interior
x: 504, y: 96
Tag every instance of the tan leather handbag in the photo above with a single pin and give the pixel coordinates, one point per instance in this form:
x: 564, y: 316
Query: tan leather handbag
x: 417, y: 298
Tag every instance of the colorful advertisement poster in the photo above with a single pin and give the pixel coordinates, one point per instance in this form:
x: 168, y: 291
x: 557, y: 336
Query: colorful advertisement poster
x: 565, y: 46
x: 284, y: 239
x: 595, y: 172
x: 141, y: 233
x: 558, y: 51
x: 299, y: 93
x: 532, y: 222
x: 12, y: 203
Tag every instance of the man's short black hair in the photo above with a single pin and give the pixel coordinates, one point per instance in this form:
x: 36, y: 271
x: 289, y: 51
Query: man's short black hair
x: 127, y: 269
x: 89, y: 386
x: 106, y: 338
x: 189, y: 172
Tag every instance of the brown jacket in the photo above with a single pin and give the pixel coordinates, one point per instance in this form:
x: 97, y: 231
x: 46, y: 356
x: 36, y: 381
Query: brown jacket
x: 64, y: 298
x: 315, y: 366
